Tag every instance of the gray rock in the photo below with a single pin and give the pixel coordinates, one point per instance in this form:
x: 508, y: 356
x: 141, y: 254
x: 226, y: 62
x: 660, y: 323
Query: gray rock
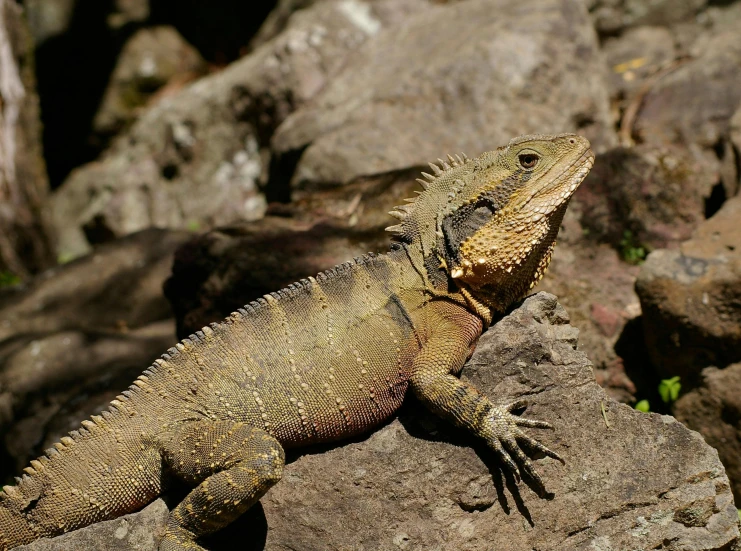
x: 635, y: 55
x: 76, y: 336
x: 690, y: 298
x: 463, y: 76
x: 630, y: 480
x: 714, y: 410
x: 613, y: 16
x: 150, y: 59
x: 693, y: 104
x: 197, y: 159
x: 137, y: 532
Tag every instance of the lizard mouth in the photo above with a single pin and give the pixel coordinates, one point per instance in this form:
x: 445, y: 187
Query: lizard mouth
x: 561, y: 186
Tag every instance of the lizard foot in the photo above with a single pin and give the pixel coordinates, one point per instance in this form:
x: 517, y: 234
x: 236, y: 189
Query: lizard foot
x: 503, y: 434
x: 179, y: 539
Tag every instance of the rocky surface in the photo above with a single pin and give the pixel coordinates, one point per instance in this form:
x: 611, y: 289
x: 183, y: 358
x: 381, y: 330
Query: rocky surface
x: 691, y: 298
x: 714, y: 410
x: 76, y: 336
x: 630, y: 480
x: 152, y: 58
x: 197, y: 159
x: 472, y: 88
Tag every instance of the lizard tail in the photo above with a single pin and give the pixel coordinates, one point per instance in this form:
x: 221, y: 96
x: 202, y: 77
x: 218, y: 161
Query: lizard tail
x: 15, y: 528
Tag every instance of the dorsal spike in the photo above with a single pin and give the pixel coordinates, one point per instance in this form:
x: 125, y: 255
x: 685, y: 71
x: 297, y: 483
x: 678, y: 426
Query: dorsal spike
x: 458, y: 158
x: 452, y: 160
x: 430, y: 177
x: 410, y: 199
x: 465, y: 157
x: 435, y: 169
x: 444, y: 164
x: 394, y: 229
x: 398, y: 215
x: 423, y: 183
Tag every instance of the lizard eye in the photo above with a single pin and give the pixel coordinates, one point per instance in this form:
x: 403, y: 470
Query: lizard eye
x: 528, y: 160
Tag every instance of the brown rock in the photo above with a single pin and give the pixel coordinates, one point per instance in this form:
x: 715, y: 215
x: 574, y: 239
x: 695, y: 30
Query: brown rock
x: 714, y: 410
x: 691, y: 298
x: 630, y: 480
x: 464, y: 82
x: 645, y: 196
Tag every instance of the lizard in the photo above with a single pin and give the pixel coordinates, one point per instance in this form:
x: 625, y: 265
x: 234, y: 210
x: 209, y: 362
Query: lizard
x: 326, y: 358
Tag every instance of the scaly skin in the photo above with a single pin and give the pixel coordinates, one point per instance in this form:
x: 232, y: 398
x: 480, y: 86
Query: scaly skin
x: 324, y: 359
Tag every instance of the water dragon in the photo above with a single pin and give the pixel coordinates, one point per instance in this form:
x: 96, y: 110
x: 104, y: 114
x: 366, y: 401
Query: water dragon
x: 326, y: 358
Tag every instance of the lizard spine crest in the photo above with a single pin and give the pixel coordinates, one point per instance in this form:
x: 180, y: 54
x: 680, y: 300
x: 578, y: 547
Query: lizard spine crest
x: 403, y: 212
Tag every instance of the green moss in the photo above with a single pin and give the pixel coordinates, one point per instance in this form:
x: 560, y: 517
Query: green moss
x: 631, y: 251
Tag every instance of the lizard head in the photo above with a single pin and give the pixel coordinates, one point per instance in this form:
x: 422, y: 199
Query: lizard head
x: 489, y: 224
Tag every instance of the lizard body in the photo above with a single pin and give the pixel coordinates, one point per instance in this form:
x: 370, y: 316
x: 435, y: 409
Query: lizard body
x: 324, y: 359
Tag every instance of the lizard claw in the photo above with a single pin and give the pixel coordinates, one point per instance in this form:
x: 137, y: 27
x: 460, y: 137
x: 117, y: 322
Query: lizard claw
x: 503, y: 434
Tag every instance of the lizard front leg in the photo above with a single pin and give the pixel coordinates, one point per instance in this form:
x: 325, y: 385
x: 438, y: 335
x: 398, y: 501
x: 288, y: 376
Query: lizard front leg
x: 234, y: 464
x: 434, y: 383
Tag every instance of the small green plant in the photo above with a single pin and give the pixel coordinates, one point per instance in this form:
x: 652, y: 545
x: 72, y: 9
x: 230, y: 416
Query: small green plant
x: 8, y: 279
x: 193, y: 226
x: 669, y: 389
x: 643, y: 406
x: 631, y: 250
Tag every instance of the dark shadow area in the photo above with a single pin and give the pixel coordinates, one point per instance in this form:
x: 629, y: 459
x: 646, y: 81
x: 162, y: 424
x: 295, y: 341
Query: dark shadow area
x: 72, y: 72
x: 220, y: 29
x: 631, y: 347
x: 716, y: 200
x: 281, y: 172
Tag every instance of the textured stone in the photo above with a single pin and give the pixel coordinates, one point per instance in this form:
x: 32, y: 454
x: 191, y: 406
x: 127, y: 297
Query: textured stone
x: 691, y: 298
x: 714, y: 410
x: 472, y: 75
x: 198, y: 158
x: 630, y: 480
x: 693, y: 104
x: 150, y: 59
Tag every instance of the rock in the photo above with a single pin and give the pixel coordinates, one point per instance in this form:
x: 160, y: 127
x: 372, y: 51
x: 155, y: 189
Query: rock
x: 635, y: 55
x: 690, y: 298
x: 693, y: 104
x: 613, y: 16
x: 128, y: 11
x: 76, y: 336
x: 714, y: 410
x: 25, y: 239
x: 150, y: 59
x: 49, y: 18
x: 140, y: 531
x: 645, y: 196
x: 471, y: 88
x: 197, y: 159
x: 630, y: 480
